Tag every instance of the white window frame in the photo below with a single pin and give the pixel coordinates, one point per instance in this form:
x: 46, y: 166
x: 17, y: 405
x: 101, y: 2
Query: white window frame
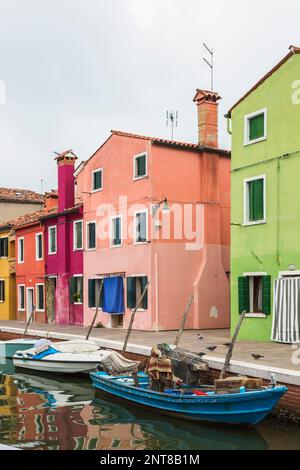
x: 246, y: 201
x: 3, y: 301
x: 253, y: 314
x: 87, y: 235
x: 100, y: 278
x: 5, y: 257
x: 78, y: 276
x: 49, y: 240
x: 98, y: 170
x: 247, y: 120
x: 145, y: 211
x: 142, y: 154
x: 36, y: 296
x: 111, y: 235
x: 140, y: 309
x: 21, y: 261
x: 19, y: 298
x: 40, y: 234
x: 289, y: 274
x: 75, y: 248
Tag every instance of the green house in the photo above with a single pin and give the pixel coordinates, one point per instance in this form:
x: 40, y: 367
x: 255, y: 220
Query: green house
x: 265, y: 217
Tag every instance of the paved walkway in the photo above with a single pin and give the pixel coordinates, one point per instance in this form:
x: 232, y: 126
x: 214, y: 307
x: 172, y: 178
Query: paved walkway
x: 275, y: 355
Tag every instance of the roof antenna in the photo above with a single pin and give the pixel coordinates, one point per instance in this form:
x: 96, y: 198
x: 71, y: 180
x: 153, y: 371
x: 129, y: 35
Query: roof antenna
x: 42, y: 186
x: 210, y: 64
x: 172, y: 119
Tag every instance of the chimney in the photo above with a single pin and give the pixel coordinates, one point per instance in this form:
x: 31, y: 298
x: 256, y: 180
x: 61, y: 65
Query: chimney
x: 66, y: 180
x: 207, y: 103
x: 50, y: 200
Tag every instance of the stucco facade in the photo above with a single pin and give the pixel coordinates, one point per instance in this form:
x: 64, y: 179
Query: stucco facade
x: 269, y: 247
x: 7, y: 276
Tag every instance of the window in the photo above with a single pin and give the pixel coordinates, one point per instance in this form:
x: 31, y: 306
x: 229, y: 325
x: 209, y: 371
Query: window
x: 97, y: 180
x: 78, y: 235
x: 52, y: 242
x: 4, y: 247
x: 2, y: 291
x: 255, y: 127
x: 21, y: 297
x: 255, y: 200
x: 140, y: 166
x: 255, y: 294
x: 141, y: 228
x: 135, y: 289
x: 20, y: 250
x: 91, y: 236
x: 116, y: 231
x: 76, y: 290
x: 93, y: 292
x: 40, y: 305
x: 39, y: 246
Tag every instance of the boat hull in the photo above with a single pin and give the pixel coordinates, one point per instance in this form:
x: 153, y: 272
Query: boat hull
x: 9, y: 348
x: 59, y: 367
x: 235, y: 409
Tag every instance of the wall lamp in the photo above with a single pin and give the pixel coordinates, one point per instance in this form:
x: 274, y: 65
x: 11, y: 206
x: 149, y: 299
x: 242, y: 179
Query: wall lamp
x: 165, y: 209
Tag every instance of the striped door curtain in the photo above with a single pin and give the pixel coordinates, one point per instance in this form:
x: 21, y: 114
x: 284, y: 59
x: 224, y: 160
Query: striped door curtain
x: 286, y: 314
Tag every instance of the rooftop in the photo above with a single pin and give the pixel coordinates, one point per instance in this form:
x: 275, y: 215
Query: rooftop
x: 21, y: 196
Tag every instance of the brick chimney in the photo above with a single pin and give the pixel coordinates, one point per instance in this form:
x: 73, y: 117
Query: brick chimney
x: 66, y: 180
x: 207, y: 103
x: 51, y: 200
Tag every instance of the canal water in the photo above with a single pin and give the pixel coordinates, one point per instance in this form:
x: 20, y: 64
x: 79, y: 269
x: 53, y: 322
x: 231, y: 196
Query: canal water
x: 55, y: 413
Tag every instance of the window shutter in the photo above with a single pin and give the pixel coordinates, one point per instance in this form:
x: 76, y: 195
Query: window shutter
x: 257, y: 127
x: 102, y: 292
x: 244, y: 294
x: 141, y: 164
x: 81, y: 289
x: 131, y: 292
x: 267, y: 295
x: 258, y: 199
x: 144, y: 281
x: 5, y: 247
x: 91, y: 293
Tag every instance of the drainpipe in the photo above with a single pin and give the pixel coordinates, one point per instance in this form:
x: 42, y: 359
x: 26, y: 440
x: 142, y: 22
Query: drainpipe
x: 228, y: 120
x: 156, y: 293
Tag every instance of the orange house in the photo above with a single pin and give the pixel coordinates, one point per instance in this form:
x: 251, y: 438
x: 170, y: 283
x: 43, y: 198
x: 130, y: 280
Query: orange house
x: 158, y: 211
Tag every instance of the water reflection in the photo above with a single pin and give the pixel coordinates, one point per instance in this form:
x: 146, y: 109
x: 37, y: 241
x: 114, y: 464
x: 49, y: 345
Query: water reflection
x: 49, y: 412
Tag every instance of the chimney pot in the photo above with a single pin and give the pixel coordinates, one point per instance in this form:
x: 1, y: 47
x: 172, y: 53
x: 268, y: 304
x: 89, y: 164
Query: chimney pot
x: 207, y: 103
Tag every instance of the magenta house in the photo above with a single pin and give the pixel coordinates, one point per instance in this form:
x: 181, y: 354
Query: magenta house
x: 64, y: 250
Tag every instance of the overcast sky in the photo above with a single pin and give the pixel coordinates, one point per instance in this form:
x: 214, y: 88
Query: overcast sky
x: 75, y: 69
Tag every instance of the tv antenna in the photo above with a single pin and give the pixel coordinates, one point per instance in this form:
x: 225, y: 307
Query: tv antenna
x: 172, y: 120
x: 210, y: 64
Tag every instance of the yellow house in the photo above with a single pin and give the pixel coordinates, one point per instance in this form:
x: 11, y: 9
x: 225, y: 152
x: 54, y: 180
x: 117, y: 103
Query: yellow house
x: 7, y: 273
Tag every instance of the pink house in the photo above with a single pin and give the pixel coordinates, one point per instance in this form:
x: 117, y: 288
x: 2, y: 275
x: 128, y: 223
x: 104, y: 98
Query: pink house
x: 63, y: 235
x: 158, y: 211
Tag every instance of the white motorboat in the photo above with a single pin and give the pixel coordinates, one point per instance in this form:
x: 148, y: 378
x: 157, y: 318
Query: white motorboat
x: 73, y: 357
x: 10, y: 347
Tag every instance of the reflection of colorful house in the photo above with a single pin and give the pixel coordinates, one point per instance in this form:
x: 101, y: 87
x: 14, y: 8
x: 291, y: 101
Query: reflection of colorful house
x: 125, y: 229
x: 7, y: 273
x: 265, y: 255
x: 63, y: 246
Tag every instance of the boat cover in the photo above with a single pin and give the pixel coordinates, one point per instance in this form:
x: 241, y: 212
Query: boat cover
x: 117, y: 364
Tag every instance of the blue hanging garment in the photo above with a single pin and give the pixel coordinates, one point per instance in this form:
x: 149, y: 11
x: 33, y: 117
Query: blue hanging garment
x: 113, y: 295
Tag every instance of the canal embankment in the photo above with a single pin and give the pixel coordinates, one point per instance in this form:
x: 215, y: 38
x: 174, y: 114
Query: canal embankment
x: 277, y: 359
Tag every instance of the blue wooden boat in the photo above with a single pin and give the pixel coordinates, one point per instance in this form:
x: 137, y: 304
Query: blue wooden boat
x: 244, y: 408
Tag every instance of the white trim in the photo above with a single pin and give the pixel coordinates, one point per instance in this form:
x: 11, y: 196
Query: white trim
x: 4, y: 288
x: 114, y: 217
x: 247, y: 223
x: 253, y: 314
x: 98, y: 170
x: 135, y: 242
x: 77, y: 276
x: 36, y: 246
x: 87, y: 237
x: 49, y: 240
x: 27, y: 290
x: 5, y: 257
x: 255, y: 274
x: 19, y: 297
x: 74, y: 235
x: 19, y: 251
x: 284, y: 274
x: 36, y: 296
x: 138, y: 178
x: 247, y: 119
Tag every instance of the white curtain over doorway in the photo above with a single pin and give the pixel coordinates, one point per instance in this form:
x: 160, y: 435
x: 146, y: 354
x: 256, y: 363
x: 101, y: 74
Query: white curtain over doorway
x: 286, y: 311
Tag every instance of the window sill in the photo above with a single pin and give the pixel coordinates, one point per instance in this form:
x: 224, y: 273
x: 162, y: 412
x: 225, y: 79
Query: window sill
x: 77, y: 303
x: 116, y: 246
x: 91, y: 249
x: 97, y: 190
x: 140, y: 310
x: 52, y: 254
x: 142, y: 243
x: 255, y: 141
x: 256, y: 315
x: 40, y: 311
x: 251, y: 224
x: 139, y: 178
x: 77, y: 249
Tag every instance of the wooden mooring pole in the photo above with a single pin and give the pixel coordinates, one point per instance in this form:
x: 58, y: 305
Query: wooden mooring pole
x: 231, y: 347
x: 96, y: 313
x: 133, y: 316
x: 182, y: 325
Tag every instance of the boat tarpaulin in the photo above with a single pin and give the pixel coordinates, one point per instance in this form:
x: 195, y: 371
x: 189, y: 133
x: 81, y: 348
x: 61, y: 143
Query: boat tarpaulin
x: 286, y: 311
x: 113, y: 295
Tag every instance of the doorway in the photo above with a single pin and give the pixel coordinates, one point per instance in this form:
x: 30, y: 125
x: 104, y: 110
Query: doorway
x: 29, y: 302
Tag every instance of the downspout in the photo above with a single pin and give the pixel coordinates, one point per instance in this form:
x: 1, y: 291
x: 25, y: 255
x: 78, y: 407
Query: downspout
x: 278, y: 257
x: 156, y: 293
x: 228, y: 120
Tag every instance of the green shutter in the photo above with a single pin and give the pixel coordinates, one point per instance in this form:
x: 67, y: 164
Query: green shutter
x: 257, y: 127
x: 141, y: 166
x: 92, y: 235
x: 81, y: 289
x: 244, y: 294
x: 131, y: 292
x: 267, y: 295
x: 72, y: 289
x: 144, y: 281
x: 256, y: 200
x: 91, y: 293
x: 101, y: 282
